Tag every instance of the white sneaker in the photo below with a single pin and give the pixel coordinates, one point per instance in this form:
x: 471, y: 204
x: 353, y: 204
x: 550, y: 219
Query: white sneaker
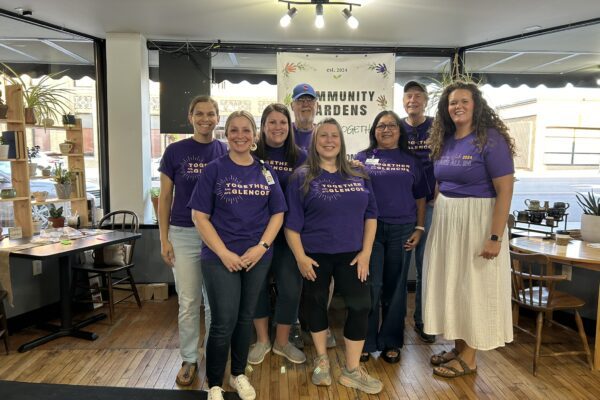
x: 242, y: 386
x: 215, y: 393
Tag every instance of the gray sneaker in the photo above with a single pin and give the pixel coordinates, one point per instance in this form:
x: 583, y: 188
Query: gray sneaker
x: 361, y: 380
x: 330, y: 339
x: 257, y: 352
x: 290, y: 352
x: 321, y: 374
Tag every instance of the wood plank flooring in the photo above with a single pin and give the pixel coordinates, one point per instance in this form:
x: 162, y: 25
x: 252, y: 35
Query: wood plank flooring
x: 141, y: 350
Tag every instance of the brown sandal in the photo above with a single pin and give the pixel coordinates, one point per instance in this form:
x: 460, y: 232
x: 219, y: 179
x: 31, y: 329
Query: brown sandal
x: 441, y: 358
x: 446, y: 371
x: 187, y: 373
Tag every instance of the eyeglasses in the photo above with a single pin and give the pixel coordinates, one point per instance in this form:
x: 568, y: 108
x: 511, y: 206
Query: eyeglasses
x: 383, y: 127
x: 306, y: 100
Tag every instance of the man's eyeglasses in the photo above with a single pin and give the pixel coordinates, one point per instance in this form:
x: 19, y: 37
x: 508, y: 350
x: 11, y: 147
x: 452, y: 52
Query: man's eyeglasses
x: 383, y: 127
x: 306, y: 99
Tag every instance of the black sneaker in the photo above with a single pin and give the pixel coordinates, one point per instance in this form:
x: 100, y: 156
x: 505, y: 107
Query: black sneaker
x: 423, y: 336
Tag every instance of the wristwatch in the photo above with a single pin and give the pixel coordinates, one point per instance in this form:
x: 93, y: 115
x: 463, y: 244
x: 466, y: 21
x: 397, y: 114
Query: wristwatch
x: 264, y: 244
x: 494, y: 238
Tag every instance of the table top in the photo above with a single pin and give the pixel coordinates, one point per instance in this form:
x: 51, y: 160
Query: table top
x: 75, y: 245
x: 576, y: 253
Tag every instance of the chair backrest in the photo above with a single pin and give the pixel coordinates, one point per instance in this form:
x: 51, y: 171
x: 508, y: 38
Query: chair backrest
x: 510, y: 223
x: 122, y: 221
x: 533, y: 280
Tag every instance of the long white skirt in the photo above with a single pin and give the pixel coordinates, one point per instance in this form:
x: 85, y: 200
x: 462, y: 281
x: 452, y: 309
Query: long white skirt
x: 466, y: 296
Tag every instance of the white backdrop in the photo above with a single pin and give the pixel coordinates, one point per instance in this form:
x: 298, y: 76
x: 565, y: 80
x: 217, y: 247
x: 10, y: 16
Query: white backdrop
x: 352, y: 88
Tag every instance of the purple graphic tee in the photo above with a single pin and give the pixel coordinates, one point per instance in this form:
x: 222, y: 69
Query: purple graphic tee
x: 331, y: 216
x: 397, y: 180
x: 302, y: 137
x: 417, y: 143
x: 464, y: 171
x: 183, y: 162
x: 240, y: 203
x: 276, y: 159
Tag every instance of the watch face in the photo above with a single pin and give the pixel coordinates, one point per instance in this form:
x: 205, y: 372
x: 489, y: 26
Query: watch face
x: 494, y: 238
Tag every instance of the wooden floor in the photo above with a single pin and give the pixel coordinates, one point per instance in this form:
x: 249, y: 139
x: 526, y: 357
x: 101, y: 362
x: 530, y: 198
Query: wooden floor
x: 141, y: 350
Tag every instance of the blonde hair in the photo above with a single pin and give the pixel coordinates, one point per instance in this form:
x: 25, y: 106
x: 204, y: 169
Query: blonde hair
x: 243, y: 114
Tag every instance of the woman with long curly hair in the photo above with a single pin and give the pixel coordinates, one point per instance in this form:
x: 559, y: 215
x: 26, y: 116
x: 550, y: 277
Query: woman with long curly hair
x: 467, y: 261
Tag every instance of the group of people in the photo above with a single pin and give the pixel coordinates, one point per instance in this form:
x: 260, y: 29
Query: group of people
x: 287, y: 203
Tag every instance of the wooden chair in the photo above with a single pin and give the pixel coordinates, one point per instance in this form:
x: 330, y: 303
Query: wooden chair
x: 3, y: 322
x: 111, y: 275
x: 510, y: 223
x: 533, y: 287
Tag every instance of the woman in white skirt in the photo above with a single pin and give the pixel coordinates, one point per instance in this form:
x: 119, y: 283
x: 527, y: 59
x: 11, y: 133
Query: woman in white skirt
x: 467, y: 262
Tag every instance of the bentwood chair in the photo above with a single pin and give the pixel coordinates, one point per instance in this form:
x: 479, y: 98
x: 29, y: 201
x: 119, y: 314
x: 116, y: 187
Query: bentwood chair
x: 533, y: 288
x: 3, y: 322
x: 112, y: 264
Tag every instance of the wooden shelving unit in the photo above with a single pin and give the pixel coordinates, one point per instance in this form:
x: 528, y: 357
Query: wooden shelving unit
x: 22, y: 203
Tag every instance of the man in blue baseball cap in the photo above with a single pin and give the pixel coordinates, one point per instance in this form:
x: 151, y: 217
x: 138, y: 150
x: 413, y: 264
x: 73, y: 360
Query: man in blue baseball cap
x: 304, y: 106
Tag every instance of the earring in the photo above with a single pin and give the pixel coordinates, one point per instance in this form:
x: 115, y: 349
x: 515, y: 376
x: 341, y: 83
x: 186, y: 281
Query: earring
x: 253, y: 147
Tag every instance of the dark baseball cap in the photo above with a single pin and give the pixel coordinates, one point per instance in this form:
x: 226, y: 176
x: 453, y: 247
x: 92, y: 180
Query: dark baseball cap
x: 414, y: 85
x: 303, y: 89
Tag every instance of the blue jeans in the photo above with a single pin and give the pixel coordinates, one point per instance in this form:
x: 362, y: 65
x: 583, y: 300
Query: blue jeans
x: 288, y: 282
x: 419, y: 252
x: 389, y: 274
x: 188, y: 284
x: 232, y: 297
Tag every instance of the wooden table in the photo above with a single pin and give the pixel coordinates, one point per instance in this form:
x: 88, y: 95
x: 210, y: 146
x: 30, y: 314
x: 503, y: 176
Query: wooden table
x: 575, y: 254
x: 63, y: 252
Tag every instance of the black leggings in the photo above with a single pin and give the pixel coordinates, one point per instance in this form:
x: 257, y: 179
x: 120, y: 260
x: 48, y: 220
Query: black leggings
x: 356, y: 294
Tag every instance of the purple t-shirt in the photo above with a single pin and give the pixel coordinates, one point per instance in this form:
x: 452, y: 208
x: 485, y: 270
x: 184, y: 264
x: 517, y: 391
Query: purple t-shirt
x: 183, y: 162
x: 464, y: 171
x: 397, y: 180
x: 276, y: 159
x: 302, y: 137
x: 417, y: 143
x: 240, y: 202
x: 331, y: 216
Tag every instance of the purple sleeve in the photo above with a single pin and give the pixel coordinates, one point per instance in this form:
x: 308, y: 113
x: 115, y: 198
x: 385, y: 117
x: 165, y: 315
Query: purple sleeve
x: 202, y: 198
x: 295, y: 200
x: 361, y: 156
x: 166, y: 164
x: 497, y: 156
x: 277, y: 202
x: 371, y: 212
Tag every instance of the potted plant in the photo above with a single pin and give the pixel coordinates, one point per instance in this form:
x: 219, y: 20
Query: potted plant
x: 66, y: 147
x: 33, y: 152
x: 154, y: 193
x: 3, y: 107
x: 63, y: 178
x: 56, y: 218
x: 44, y: 101
x: 590, y: 220
x: 3, y: 150
x: 38, y: 224
x: 68, y: 119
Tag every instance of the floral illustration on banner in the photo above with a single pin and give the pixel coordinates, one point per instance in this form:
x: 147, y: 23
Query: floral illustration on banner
x: 382, y: 102
x: 380, y: 69
x: 337, y: 76
x: 290, y: 68
x: 288, y: 99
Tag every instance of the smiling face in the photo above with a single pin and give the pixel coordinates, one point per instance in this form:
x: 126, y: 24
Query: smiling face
x: 414, y: 102
x: 204, y: 117
x: 276, y: 129
x: 305, y: 110
x: 328, y: 142
x: 387, y: 132
x: 240, y: 135
x: 460, y: 107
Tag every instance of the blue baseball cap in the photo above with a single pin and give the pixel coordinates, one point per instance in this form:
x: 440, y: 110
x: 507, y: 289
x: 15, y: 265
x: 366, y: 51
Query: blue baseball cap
x: 304, y: 89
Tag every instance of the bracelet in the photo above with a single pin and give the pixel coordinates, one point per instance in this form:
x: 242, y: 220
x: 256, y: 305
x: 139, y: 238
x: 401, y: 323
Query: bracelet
x: 420, y: 228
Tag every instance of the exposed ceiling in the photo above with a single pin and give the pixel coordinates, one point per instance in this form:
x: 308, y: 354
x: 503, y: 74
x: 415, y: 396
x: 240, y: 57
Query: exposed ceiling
x: 394, y: 23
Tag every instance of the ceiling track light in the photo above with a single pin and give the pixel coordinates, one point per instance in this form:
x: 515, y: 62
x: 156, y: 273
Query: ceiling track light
x: 351, y: 20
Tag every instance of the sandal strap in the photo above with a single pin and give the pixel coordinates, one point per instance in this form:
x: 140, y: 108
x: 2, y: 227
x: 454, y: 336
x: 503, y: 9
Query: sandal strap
x: 463, y: 364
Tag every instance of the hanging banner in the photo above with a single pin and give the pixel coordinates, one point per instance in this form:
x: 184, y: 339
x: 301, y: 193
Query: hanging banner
x: 352, y: 88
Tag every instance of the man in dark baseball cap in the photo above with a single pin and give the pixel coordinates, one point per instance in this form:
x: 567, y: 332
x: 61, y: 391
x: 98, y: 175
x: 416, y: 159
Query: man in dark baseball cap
x: 304, y: 89
x: 415, y: 85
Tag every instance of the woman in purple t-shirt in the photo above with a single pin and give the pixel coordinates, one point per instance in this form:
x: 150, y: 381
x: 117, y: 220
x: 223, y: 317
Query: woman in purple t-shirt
x: 467, y: 263
x: 330, y: 228
x: 400, y: 189
x: 237, y: 207
x: 180, y: 166
x: 276, y: 145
